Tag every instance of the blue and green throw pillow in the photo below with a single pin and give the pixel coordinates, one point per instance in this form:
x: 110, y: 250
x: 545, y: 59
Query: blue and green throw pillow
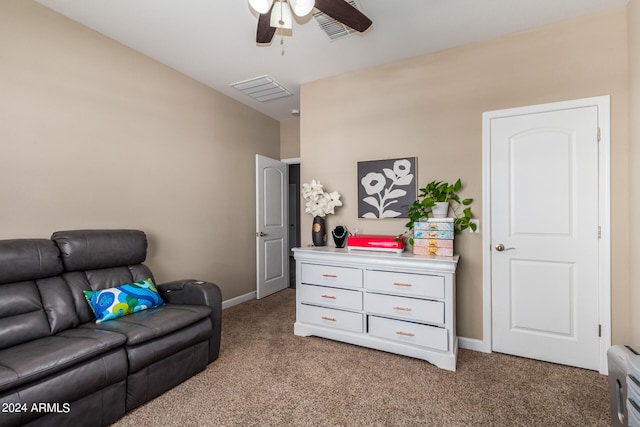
x: 125, y: 299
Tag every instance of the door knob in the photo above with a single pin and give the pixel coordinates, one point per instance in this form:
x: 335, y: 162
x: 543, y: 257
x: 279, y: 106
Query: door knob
x: 500, y: 247
x: 261, y: 234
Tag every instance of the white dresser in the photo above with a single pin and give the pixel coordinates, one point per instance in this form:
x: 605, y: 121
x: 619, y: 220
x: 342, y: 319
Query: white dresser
x: 399, y: 303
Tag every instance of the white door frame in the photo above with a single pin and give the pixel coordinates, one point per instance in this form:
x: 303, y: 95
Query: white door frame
x: 604, y: 213
x: 291, y: 161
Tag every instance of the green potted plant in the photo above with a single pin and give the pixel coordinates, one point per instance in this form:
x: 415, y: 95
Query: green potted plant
x: 440, y: 192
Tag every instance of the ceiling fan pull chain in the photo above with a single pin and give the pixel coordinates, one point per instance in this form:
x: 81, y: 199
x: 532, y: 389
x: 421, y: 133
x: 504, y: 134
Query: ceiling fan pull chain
x: 282, y: 40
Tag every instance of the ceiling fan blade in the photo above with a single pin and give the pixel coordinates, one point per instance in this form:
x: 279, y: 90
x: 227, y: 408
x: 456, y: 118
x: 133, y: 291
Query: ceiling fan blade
x: 343, y: 12
x: 265, y: 31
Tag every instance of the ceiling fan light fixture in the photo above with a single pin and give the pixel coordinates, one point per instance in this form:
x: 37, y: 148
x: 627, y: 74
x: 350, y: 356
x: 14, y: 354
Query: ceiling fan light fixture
x: 302, y: 7
x: 261, y: 6
x: 281, y: 16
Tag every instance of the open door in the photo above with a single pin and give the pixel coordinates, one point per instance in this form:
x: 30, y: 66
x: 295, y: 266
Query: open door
x: 272, y: 247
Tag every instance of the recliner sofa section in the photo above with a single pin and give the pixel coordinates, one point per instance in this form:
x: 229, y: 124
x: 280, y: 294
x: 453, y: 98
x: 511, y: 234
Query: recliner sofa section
x: 58, y: 366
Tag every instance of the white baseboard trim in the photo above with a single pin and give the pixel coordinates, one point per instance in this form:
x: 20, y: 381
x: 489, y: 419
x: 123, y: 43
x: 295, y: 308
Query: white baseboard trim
x: 473, y: 344
x: 238, y: 300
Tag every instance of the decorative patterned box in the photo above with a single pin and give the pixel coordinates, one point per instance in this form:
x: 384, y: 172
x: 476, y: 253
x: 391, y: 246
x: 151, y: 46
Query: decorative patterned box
x: 433, y: 237
x: 432, y: 234
x: 443, y: 224
x: 425, y: 250
x: 433, y: 243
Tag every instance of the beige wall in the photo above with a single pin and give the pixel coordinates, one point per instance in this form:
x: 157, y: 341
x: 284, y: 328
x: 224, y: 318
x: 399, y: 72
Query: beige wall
x: 290, y: 138
x: 633, y: 24
x: 431, y: 107
x: 93, y: 134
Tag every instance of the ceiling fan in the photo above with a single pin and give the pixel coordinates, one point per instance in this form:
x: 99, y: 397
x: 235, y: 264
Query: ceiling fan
x: 277, y: 14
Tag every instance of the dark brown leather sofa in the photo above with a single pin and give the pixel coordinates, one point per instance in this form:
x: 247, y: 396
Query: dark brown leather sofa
x: 58, y: 366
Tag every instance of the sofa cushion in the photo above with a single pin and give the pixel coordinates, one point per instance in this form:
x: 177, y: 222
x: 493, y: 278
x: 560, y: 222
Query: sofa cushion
x: 22, y: 262
x: 28, y: 259
x: 7, y: 376
x: 151, y: 324
x: 46, y: 356
x: 111, y: 303
x: 98, y: 249
x: 57, y: 303
x: 21, y: 315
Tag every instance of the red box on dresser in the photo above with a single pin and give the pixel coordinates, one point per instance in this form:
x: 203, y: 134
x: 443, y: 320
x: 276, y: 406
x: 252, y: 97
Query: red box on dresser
x: 373, y: 242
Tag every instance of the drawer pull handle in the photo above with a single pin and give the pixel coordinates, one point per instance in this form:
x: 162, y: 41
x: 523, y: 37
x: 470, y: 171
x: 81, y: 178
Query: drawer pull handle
x: 402, y: 308
x: 407, y: 285
x: 331, y: 319
x: 405, y: 334
x: 333, y: 276
x: 328, y: 296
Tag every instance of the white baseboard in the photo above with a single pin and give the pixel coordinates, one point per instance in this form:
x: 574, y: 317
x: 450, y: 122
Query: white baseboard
x: 238, y: 300
x: 473, y: 344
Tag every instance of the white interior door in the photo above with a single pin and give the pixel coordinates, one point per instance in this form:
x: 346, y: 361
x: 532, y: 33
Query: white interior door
x: 544, y: 236
x: 272, y: 248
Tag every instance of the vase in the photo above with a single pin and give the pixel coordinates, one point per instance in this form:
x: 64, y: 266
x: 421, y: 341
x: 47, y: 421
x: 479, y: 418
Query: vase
x: 339, y: 236
x: 440, y: 209
x: 319, y: 231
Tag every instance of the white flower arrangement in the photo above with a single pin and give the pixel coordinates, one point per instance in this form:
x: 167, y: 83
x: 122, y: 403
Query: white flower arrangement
x: 319, y: 202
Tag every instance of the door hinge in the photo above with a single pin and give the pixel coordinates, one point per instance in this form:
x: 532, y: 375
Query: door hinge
x: 599, y: 232
x: 600, y: 330
x: 598, y: 134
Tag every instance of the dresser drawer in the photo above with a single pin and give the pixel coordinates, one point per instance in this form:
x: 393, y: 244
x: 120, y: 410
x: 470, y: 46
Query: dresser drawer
x: 332, y: 297
x: 633, y: 386
x: 406, y: 308
x: 331, y: 276
x: 633, y: 413
x: 409, y: 333
x: 331, y: 318
x: 633, y: 397
x: 416, y: 285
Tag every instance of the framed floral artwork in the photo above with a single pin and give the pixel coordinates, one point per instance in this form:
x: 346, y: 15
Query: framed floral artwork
x: 386, y: 188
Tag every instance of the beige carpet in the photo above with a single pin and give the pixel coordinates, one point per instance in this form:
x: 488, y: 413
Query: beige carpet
x: 266, y: 376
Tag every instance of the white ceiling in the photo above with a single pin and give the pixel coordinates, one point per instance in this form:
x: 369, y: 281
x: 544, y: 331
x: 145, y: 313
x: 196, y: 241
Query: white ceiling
x: 213, y: 41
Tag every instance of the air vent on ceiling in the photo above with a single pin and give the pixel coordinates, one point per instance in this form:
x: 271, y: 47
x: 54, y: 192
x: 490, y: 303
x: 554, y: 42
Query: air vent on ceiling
x: 262, y: 88
x: 333, y: 29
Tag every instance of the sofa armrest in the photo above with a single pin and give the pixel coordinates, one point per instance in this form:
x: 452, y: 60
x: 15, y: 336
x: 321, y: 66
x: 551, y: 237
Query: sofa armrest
x: 191, y: 292
x: 195, y: 292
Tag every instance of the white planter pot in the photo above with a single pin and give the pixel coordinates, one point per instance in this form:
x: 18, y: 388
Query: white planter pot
x: 440, y: 210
